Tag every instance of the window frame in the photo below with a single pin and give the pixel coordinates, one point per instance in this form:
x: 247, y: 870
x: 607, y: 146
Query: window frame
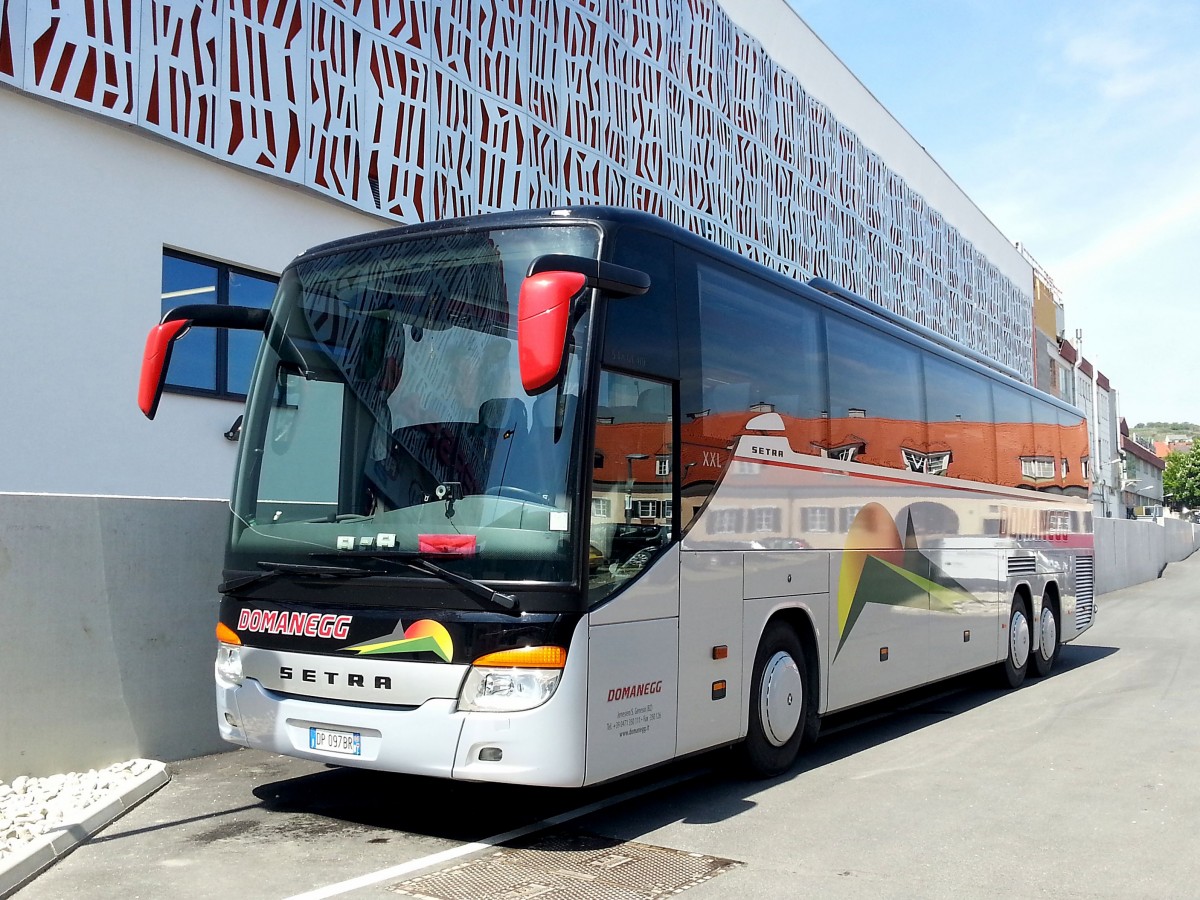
x: 1038, y: 468
x: 225, y: 271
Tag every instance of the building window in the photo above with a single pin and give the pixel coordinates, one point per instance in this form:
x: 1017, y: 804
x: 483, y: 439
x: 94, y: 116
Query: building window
x: 845, y: 452
x: 648, y: 509
x: 817, y: 519
x: 601, y: 508
x: 724, y: 521
x: 662, y: 466
x: 766, y: 519
x: 1038, y: 468
x: 213, y: 361
x: 846, y: 516
x: 929, y: 463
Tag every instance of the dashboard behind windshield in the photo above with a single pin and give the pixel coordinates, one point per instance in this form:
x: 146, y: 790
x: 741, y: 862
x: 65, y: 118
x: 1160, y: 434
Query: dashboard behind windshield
x: 387, y: 412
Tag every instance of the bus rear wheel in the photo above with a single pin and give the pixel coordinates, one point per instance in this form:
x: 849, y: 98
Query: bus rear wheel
x: 1016, y: 661
x: 1049, y: 640
x: 779, y: 703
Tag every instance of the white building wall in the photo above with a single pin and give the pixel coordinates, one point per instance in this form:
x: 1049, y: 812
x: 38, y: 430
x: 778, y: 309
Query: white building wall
x: 88, y: 207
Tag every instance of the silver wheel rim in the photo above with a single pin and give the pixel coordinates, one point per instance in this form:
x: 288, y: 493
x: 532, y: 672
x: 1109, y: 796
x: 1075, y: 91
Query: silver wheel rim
x: 781, y: 699
x: 1018, y: 639
x: 1049, y: 637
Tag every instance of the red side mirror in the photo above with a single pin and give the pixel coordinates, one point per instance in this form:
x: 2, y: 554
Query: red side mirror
x: 155, y: 360
x: 162, y: 337
x: 543, y: 313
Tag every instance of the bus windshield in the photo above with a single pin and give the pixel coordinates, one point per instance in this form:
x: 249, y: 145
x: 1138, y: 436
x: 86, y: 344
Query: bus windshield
x: 387, y: 416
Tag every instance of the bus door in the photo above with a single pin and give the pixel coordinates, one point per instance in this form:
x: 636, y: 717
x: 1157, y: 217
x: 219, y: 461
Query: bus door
x: 633, y: 579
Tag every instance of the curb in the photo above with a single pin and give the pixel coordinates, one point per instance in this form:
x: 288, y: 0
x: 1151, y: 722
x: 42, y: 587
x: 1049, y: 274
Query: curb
x: 44, y: 851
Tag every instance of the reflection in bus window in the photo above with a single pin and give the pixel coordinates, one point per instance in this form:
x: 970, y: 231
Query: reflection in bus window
x: 958, y: 404
x: 632, y: 487
x: 871, y: 398
x: 747, y: 327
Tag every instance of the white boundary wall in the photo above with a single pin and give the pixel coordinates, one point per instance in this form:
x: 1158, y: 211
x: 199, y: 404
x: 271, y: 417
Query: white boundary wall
x: 1129, y: 552
x: 107, y: 611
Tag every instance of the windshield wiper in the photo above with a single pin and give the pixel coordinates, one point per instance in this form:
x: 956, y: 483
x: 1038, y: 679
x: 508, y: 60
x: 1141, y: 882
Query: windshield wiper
x: 275, y: 569
x: 420, y: 562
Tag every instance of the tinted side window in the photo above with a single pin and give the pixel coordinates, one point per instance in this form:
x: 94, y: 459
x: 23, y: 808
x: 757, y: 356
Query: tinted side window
x: 760, y: 348
x: 760, y: 351
x: 633, y: 478
x: 1073, y: 447
x: 1014, y: 436
x: 641, y: 332
x: 876, y: 398
x: 958, y: 404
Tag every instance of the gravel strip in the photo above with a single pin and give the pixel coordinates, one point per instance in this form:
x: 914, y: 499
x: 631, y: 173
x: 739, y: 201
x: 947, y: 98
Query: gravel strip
x: 31, y: 807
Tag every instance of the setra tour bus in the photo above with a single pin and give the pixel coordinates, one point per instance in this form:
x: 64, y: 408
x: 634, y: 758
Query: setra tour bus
x: 551, y: 497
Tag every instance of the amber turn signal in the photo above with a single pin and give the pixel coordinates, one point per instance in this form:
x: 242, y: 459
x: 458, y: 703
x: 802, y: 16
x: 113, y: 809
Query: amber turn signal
x: 526, y: 658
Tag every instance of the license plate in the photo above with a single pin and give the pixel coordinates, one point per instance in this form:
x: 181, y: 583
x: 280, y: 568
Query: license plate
x: 345, y: 742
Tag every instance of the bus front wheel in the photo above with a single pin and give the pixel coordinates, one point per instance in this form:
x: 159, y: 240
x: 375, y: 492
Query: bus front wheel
x: 778, y: 703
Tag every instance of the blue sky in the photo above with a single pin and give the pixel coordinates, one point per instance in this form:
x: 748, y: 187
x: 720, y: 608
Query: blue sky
x: 1075, y: 127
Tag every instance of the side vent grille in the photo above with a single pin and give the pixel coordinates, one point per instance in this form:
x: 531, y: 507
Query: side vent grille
x: 1085, y: 590
x: 1022, y: 565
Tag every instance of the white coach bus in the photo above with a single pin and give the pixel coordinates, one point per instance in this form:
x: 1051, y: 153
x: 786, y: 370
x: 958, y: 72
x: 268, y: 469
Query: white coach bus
x: 551, y: 497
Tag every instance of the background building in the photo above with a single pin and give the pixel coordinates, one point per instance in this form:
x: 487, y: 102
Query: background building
x: 1142, y: 476
x: 155, y: 151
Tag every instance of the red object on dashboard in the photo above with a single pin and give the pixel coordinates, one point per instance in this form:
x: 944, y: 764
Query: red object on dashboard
x: 458, y: 544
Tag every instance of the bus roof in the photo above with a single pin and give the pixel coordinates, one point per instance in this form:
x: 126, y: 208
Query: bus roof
x: 819, y: 290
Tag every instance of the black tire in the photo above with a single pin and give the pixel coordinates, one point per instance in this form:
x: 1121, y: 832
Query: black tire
x: 1016, y: 660
x: 780, y: 704
x: 1050, y: 638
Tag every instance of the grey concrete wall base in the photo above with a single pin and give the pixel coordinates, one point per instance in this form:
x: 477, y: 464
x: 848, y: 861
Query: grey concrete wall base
x: 115, y: 600
x: 27, y: 863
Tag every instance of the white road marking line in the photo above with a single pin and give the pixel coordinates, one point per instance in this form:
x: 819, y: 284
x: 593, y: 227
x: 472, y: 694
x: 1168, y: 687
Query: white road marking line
x: 445, y: 856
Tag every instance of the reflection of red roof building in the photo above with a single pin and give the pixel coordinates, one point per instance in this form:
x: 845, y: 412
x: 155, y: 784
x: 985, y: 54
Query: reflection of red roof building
x: 628, y: 447
x: 1037, y: 455
x: 632, y: 476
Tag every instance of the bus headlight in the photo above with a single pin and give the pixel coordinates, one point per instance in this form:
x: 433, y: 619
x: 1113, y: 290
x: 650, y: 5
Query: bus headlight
x: 229, y: 665
x: 512, y: 680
